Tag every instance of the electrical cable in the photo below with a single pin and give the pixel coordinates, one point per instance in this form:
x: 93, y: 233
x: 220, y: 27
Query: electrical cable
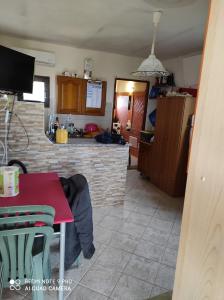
x: 3, y: 156
x: 8, y: 121
x: 26, y: 134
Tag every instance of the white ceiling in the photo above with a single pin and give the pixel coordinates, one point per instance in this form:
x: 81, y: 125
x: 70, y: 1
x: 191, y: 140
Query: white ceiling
x: 119, y: 26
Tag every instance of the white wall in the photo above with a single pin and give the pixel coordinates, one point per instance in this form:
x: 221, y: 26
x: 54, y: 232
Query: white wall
x: 186, y: 70
x: 106, y: 67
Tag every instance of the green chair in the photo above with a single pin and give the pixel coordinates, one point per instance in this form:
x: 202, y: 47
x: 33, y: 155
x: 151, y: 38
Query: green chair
x: 20, y: 260
x: 166, y: 296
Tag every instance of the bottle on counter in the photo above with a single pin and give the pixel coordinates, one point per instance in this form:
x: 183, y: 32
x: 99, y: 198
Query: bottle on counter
x: 56, y: 124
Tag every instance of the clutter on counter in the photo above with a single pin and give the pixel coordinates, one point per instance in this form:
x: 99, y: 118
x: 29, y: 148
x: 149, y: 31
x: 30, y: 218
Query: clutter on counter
x: 64, y: 133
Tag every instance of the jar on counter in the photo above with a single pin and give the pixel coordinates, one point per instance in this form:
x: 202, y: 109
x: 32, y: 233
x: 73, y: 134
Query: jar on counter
x: 61, y: 136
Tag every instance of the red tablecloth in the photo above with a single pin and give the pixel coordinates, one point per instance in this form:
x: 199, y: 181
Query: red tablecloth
x: 41, y: 189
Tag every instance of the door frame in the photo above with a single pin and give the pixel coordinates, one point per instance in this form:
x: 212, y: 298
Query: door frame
x: 146, y: 97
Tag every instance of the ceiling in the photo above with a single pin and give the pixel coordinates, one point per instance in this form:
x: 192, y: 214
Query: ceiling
x: 118, y: 26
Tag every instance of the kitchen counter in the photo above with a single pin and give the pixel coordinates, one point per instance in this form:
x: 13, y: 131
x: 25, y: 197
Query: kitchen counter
x: 104, y: 165
x: 82, y: 142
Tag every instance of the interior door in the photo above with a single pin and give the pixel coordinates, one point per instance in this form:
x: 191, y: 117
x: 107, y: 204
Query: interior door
x: 200, y: 262
x: 138, y: 117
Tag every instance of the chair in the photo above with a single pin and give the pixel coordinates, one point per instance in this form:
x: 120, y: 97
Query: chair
x: 20, y: 260
x: 166, y: 296
x: 19, y: 164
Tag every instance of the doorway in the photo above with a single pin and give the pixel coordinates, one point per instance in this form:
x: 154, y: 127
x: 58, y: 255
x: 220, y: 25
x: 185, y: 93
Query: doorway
x: 129, y: 113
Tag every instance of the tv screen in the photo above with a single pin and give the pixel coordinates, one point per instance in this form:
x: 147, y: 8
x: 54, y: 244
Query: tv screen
x: 16, y: 71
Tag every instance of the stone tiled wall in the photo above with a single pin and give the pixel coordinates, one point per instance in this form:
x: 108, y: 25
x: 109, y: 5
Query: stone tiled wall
x: 105, y: 166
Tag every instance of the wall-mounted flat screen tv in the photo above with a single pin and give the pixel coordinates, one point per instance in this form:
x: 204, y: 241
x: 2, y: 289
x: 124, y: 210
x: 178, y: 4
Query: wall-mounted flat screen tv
x: 16, y: 71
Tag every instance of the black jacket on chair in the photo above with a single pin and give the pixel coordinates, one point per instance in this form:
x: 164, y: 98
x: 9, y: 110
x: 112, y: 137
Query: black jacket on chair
x: 79, y: 234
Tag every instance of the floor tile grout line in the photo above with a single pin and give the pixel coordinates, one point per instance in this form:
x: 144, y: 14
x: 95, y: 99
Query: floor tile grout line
x: 149, y: 282
x: 164, y: 254
x: 115, y: 286
x: 154, y: 260
x: 87, y: 287
x: 146, y: 227
x: 78, y: 282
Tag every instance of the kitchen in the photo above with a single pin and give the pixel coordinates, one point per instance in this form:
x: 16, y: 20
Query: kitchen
x: 136, y: 224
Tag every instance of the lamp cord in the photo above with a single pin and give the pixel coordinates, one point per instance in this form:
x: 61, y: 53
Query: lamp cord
x: 156, y: 20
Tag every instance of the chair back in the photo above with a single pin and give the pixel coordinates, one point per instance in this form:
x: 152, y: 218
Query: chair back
x: 19, y: 227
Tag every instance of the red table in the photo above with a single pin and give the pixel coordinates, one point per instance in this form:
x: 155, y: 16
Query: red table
x: 44, y: 189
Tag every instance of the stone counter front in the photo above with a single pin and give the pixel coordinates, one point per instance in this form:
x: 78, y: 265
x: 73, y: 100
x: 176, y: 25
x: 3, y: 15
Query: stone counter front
x: 105, y: 166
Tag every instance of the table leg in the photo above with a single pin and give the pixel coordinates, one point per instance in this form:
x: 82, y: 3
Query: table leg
x: 62, y: 260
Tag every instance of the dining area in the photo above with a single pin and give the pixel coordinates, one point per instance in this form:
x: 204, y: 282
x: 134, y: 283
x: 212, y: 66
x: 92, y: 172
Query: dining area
x: 29, y: 220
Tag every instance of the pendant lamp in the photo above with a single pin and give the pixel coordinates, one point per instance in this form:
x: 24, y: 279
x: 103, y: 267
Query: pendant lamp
x: 152, y: 66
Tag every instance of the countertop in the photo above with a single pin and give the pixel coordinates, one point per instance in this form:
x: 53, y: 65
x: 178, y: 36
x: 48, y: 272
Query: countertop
x: 82, y: 142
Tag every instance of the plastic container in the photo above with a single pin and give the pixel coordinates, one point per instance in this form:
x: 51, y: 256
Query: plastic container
x: 61, y: 136
x: 9, y: 181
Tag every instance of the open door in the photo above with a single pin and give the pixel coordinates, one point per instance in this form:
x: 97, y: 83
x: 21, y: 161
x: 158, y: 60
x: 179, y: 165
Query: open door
x: 200, y: 265
x: 130, y: 106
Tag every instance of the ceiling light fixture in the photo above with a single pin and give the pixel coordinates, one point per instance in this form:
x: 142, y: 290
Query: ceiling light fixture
x: 152, y: 66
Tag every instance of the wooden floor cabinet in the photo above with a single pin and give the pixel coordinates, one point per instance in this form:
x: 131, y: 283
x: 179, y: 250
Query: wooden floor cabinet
x: 164, y: 160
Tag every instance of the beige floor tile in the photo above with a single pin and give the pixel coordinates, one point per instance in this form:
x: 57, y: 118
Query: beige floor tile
x: 83, y: 293
x: 101, y: 280
x: 140, y: 219
x: 162, y: 225
x: 149, y: 250
x: 165, y: 277
x: 123, y: 241
x: 111, y: 223
x: 173, y: 241
x: 113, y: 259
x: 130, y: 288
x: 170, y: 257
x: 134, y: 230
x: 156, y: 290
x: 156, y: 236
x: 142, y: 268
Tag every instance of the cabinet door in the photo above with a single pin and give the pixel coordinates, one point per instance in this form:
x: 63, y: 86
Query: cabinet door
x: 159, y: 143
x: 70, y: 95
x: 174, y: 108
x: 93, y: 111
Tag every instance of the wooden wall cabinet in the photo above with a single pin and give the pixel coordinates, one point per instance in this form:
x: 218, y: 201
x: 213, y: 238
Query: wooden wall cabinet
x: 164, y: 160
x: 72, y: 97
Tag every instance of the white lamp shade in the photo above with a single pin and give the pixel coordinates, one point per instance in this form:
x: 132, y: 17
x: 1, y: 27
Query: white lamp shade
x: 151, y: 66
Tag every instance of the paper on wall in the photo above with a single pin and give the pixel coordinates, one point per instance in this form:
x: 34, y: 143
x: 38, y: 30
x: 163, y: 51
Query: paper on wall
x: 94, y: 94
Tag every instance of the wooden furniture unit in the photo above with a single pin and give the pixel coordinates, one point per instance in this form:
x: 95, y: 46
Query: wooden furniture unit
x: 72, y: 97
x: 164, y: 160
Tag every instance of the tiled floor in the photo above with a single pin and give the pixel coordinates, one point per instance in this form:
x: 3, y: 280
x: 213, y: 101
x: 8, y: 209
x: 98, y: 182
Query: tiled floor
x: 136, y: 248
